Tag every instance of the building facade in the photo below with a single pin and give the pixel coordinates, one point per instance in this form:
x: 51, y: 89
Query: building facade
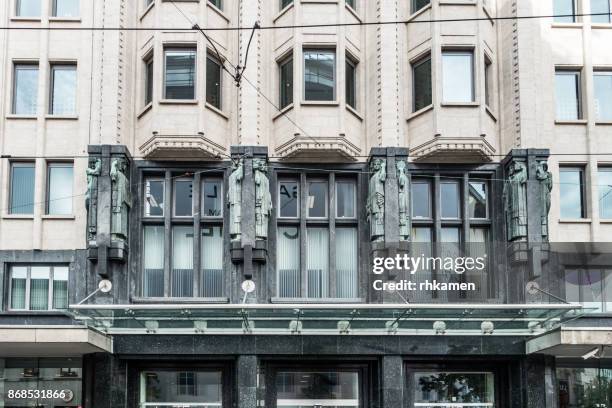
x: 173, y: 234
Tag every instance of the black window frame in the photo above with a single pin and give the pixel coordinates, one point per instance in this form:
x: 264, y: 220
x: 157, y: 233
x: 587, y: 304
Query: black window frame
x: 285, y: 85
x: 214, y: 99
x: 351, y: 88
x: 415, y: 64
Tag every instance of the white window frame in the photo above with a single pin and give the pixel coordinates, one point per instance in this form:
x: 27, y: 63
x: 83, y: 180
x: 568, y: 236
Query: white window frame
x: 51, y: 165
x: 28, y: 286
x: 323, y: 49
x: 175, y: 48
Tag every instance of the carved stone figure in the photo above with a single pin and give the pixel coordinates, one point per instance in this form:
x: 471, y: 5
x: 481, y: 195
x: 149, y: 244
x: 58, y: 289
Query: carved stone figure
x: 515, y: 201
x: 263, y: 199
x: 234, y: 199
x: 546, y: 184
x: 375, y: 205
x: 121, y: 200
x: 91, y: 198
x: 403, y: 184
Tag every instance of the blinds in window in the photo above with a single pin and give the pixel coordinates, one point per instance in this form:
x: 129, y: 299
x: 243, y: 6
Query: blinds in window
x: 153, y: 261
x: 288, y: 262
x: 212, y: 261
x: 346, y: 262
x: 182, y: 262
x: 18, y: 287
x: 39, y: 288
x: 318, y: 262
x: 60, y: 287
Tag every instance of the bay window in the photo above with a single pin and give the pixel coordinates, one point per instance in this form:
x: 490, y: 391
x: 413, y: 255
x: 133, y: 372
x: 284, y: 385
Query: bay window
x: 180, y: 73
x: 285, y: 68
x: 38, y: 287
x: 319, y: 74
x: 458, y: 76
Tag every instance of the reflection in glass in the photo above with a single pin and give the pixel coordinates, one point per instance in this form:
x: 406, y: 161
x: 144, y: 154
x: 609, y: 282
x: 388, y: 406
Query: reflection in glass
x: 317, y: 389
x: 579, y: 387
x: 63, y: 93
x: 351, y: 83
x: 286, y: 83
x: 65, y: 8
x: 601, y: 11
x: 454, y: 388
x: 213, y: 82
x: 154, y: 198
x: 567, y: 91
x: 564, y: 11
x: 477, y: 199
x: 571, y: 193
x: 212, y: 198
x: 183, y: 196
x: 449, y: 201
x: 28, y: 8
x: 319, y: 75
x: 345, y: 199
x: 317, y: 199
x: 458, y: 76
x: 602, y: 86
x: 421, y: 76
x: 179, y: 79
x: 421, y: 199
x: 605, y: 192
x: 288, y: 199
x: 25, y: 92
x: 169, y: 388
x: 288, y: 261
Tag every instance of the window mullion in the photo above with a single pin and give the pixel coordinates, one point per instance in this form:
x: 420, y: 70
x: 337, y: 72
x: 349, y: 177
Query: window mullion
x: 332, y: 292
x: 50, y: 291
x: 435, y: 197
x: 167, y: 232
x: 465, y: 209
x: 303, y: 236
x: 27, y: 291
x: 197, y: 215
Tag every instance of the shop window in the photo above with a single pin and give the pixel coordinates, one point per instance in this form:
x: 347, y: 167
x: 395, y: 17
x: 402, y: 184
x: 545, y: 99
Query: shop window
x: 180, y: 388
x: 456, y: 389
x: 318, y: 389
x: 38, y: 287
x: 583, y: 386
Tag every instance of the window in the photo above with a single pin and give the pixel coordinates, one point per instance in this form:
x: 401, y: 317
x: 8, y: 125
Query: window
x: 154, y: 197
x: 421, y: 199
x: 213, y: 81
x: 567, y: 89
x: 457, y: 389
x: 591, y: 287
x: 22, y: 188
x: 416, y: 5
x: 217, y: 3
x: 602, y: 8
x: 582, y: 386
x: 211, y: 257
x: 564, y: 11
x: 421, y: 83
x: 148, y: 88
x: 286, y: 82
x: 477, y: 199
x: 352, y: 4
x: 178, y: 388
x: 488, y: 85
x: 602, y: 86
x: 59, y: 189
x: 605, y: 192
x: 212, y: 197
x: 311, y: 274
x: 25, y: 89
x: 63, y: 90
x: 182, y: 261
x: 180, y: 75
x: 65, y: 8
x: 572, y: 194
x: 35, y: 287
x: 449, y: 199
x: 148, y: 2
x: 153, y: 282
x: 318, y: 389
x: 351, y: 83
x: 319, y: 75
x: 183, y: 198
x: 458, y: 76
x: 285, y: 3
x: 27, y: 8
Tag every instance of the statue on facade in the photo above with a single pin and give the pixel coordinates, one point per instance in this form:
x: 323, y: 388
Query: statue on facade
x: 375, y: 205
x: 121, y: 200
x: 546, y: 184
x: 263, y: 199
x: 234, y: 199
x: 91, y: 198
x: 515, y: 201
x: 403, y: 184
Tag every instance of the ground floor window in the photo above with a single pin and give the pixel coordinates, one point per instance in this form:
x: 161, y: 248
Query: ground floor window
x: 310, y: 389
x: 584, y: 387
x: 171, y: 388
x: 453, y: 389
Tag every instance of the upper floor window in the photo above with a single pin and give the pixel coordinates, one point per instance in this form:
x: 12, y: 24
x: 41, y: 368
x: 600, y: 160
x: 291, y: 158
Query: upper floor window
x: 564, y: 11
x: 605, y: 192
x: 59, y: 189
x: 601, y: 11
x: 180, y: 73
x: 148, y: 2
x: 27, y: 8
x: 416, y: 5
x: 65, y: 8
x: 458, y: 76
x: 319, y: 75
x: 35, y: 287
x: 568, y: 94
x: 148, y: 75
x: 572, y: 192
x: 25, y: 89
x: 213, y: 81
x: 22, y: 188
x: 602, y: 86
x: 285, y: 3
x: 352, y: 4
x: 217, y: 3
x: 311, y: 226
x: 421, y: 83
x: 154, y: 197
x: 285, y: 68
x: 488, y: 81
x: 351, y: 82
x: 63, y: 89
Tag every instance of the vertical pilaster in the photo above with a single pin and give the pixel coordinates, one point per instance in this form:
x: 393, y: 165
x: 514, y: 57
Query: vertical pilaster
x: 392, y: 382
x: 246, y: 374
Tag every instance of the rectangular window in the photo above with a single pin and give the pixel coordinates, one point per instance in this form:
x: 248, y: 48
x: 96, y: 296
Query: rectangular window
x: 457, y: 389
x: 449, y: 199
x: 601, y: 11
x: 488, y: 85
x: 572, y: 194
x: 211, y: 255
x: 345, y: 199
x: 602, y: 86
x: 59, y: 188
x: 213, y: 81
x: 148, y: 88
x: 63, y: 90
x: 567, y: 91
x: 166, y: 388
x: 421, y: 199
x: 478, y: 200
x: 212, y: 198
x: 180, y: 73
x: 285, y: 3
x: 564, y: 11
x: 182, y: 261
x: 352, y: 4
x: 27, y: 8
x: 590, y: 287
x: 154, y: 197
x: 288, y: 199
x: 421, y: 83
x: 148, y: 2
x: 317, y: 199
x: 347, y: 268
x: 288, y: 262
x: 351, y: 83
x: 39, y: 287
x: 153, y: 282
x: 65, y: 8
x: 458, y: 76
x: 217, y: 3
x: 22, y: 188
x: 416, y: 5
x: 317, y: 262
x: 286, y: 82
x: 605, y: 192
x: 319, y: 75
x: 581, y: 386
x: 25, y: 89
x: 318, y: 389
x: 183, y: 198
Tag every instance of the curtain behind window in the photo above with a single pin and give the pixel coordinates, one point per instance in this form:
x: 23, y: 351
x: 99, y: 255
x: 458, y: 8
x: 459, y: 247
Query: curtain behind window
x: 39, y: 288
x: 22, y: 189
x: 153, y: 261
x: 60, y: 287
x: 18, y: 287
x: 346, y: 262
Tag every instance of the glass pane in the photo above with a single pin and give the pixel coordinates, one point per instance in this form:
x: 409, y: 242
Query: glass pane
x: 567, y: 95
x: 182, y: 261
x: 66, y: 8
x: 421, y: 234
x: 211, y: 256
x: 154, y: 198
x: 602, y: 85
x: 605, y: 193
x: 419, y: 4
x: 449, y: 201
x: 288, y: 199
x: 288, y: 261
x: 60, y: 287
x: 153, y: 282
x: 317, y: 389
x: 59, y: 195
x: 351, y: 84
x: 286, y: 83
x: 28, y: 8
x: 317, y: 262
x: 317, y: 199
x: 347, y: 261
x: 39, y: 287
x: 570, y: 192
x: 173, y: 387
x: 421, y: 199
x: 591, y: 283
x: 183, y: 196
x: 19, y: 275
x: 63, y: 96
x: 180, y: 74
x: 319, y: 75
x: 345, y: 199
x: 457, y: 77
x: 149, y: 81
x: 607, y: 288
x: 213, y: 82
x: 351, y: 3
x: 487, y: 85
x: 22, y: 188
x: 285, y: 3
x: 584, y: 387
x: 212, y: 198
x: 477, y: 199
x: 449, y: 235
x: 217, y: 3
x: 26, y: 90
x: 454, y: 388
x: 421, y: 76
x: 565, y: 10
x: 601, y: 7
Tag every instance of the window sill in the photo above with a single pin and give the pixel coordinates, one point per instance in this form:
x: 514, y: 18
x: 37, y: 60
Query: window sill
x: 605, y: 26
x: 567, y: 25
x: 491, y: 113
x: 178, y: 102
x: 217, y: 111
x: 571, y: 122
x: 33, y: 313
x: 605, y: 221
x: 146, y: 11
x: 217, y: 10
x: 58, y: 217
x: 26, y: 19
x: 144, y: 110
x: 21, y: 117
x: 574, y: 221
x: 419, y: 12
x: 460, y: 104
x: 420, y: 112
x: 170, y: 300
x: 320, y: 103
x: 282, y: 112
x: 315, y: 300
x: 354, y: 112
x: 282, y: 12
x: 64, y: 19
x: 18, y: 216
x: 62, y: 117
x: 603, y: 123
x: 353, y: 12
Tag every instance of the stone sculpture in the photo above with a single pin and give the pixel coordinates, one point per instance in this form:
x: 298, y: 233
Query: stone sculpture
x: 546, y: 184
x: 515, y: 201
x: 234, y: 199
x: 375, y: 205
x: 91, y: 198
x: 121, y: 200
x: 403, y: 184
x: 263, y: 199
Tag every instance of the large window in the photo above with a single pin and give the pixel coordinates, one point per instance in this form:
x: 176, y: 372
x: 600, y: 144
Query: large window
x: 421, y: 83
x: 180, y: 73
x: 25, y: 89
x: 564, y: 11
x: 572, y: 192
x: 605, y: 192
x: 591, y: 287
x: 22, y: 188
x: 601, y: 11
x: 34, y: 287
x: 285, y: 68
x: 63, y: 89
x: 27, y: 8
x: 579, y: 386
x: 213, y: 81
x: 161, y: 388
x: 456, y: 389
x: 66, y: 8
x: 568, y: 94
x: 310, y: 225
x: 602, y: 86
x: 319, y: 75
x: 59, y: 189
x: 458, y: 76
x: 318, y: 389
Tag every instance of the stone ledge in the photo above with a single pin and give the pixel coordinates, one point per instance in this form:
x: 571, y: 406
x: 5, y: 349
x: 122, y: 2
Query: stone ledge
x: 181, y: 146
x: 327, y: 148
x: 454, y: 149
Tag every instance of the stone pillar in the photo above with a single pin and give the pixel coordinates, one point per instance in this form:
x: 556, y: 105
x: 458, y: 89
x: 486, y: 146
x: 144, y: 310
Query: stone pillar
x: 392, y: 382
x: 538, y: 382
x: 246, y: 374
x: 105, y: 379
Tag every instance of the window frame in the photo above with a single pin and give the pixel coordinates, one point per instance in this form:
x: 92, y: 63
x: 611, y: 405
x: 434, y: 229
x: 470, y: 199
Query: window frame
x: 214, y: 60
x: 488, y: 88
x: 309, y: 182
x: 583, y: 186
x: 282, y: 7
x: 603, y: 169
x: 577, y: 73
x: 174, y: 183
x: 573, y: 16
x: 27, y: 293
x: 214, y: 3
x: 281, y: 63
x: 354, y: 184
x: 62, y: 66
x: 29, y: 65
x: 203, y: 181
x: 149, y: 77
x: 354, y: 64
x: 51, y: 165
x: 177, y: 48
x: 414, y: 9
x: 602, y: 73
x: 325, y: 49
x: 54, y: 10
x: 415, y: 63
x: 298, y: 199
x: 609, y: 17
x: 146, y: 205
x: 460, y: 52
x: 18, y: 8
x: 14, y: 164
